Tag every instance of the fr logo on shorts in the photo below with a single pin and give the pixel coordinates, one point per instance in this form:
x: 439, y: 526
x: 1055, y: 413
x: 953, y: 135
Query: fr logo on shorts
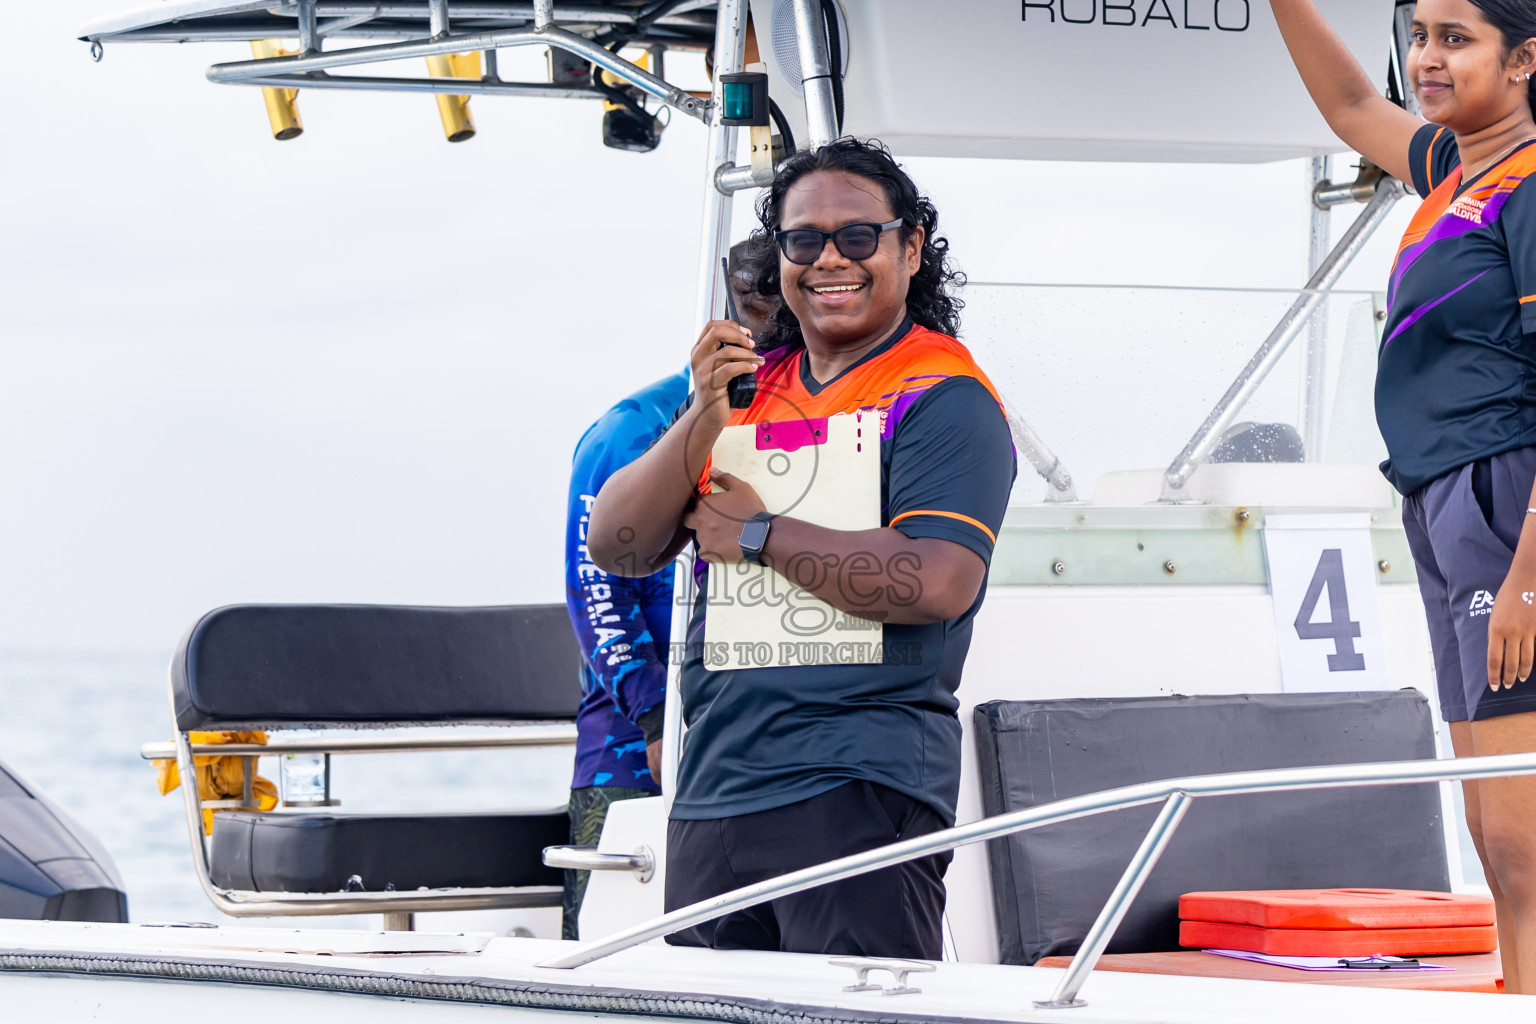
x: 1482, y: 603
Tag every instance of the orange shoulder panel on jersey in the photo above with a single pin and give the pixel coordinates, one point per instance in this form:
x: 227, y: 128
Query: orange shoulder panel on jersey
x: 1511, y: 171
x: 1430, y: 211
x: 1499, y: 180
x: 913, y: 365
x: 887, y: 384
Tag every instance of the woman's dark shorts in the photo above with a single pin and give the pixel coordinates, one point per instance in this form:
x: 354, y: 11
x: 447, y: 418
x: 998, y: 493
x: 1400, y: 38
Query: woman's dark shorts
x: 1462, y: 529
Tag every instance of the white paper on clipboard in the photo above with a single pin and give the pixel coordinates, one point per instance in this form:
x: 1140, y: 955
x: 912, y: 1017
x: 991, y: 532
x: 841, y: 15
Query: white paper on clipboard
x: 821, y: 471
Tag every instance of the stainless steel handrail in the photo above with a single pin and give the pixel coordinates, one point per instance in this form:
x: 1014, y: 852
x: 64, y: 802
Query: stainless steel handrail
x: 518, y: 736
x: 245, y: 903
x: 1175, y: 792
x: 642, y: 863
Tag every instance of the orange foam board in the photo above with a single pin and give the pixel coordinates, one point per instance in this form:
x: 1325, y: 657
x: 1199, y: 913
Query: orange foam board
x: 1338, y: 908
x: 1338, y: 941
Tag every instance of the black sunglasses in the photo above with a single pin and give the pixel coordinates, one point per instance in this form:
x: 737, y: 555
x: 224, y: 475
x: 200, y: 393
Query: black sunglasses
x: 855, y: 241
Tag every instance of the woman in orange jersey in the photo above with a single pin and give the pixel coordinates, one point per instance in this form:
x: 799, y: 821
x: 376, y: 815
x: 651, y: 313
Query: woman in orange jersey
x: 1456, y: 384
x: 788, y: 765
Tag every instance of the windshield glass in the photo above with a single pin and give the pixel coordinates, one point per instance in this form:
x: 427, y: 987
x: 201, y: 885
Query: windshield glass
x: 1118, y: 379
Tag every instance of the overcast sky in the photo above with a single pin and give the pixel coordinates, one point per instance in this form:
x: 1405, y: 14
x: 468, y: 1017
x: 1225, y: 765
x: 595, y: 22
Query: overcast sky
x: 352, y: 367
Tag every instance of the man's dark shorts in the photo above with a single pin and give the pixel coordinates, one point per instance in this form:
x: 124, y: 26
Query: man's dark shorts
x: 894, y: 912
x: 589, y: 809
x: 1463, y: 528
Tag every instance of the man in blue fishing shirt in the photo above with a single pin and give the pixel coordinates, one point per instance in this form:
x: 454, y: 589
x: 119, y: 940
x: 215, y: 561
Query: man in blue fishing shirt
x: 624, y: 625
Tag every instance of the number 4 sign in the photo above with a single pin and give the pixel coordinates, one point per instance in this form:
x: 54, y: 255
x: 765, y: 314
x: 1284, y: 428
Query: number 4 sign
x: 1322, y: 576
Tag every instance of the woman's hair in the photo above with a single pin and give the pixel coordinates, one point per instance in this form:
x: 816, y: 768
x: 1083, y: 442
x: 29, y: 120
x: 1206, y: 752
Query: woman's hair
x: 931, y: 299
x: 1516, y: 22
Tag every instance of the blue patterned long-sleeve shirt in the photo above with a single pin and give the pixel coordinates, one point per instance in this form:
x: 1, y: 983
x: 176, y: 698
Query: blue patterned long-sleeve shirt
x: 623, y: 625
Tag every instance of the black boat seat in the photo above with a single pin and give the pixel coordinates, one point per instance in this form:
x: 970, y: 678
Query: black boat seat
x: 377, y: 852
x: 291, y: 667
x: 1049, y: 884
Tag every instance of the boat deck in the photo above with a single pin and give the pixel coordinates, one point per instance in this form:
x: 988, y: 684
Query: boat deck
x: 302, y: 974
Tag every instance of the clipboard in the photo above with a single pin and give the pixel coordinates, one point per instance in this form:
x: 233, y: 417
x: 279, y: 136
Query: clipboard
x: 824, y: 471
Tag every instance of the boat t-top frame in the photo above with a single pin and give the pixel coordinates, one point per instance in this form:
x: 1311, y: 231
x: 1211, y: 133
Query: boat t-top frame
x: 425, y: 28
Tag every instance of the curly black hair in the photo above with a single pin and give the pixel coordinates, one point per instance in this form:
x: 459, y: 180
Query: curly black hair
x: 931, y: 298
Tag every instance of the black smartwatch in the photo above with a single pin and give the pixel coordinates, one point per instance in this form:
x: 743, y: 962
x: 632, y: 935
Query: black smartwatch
x: 754, y: 536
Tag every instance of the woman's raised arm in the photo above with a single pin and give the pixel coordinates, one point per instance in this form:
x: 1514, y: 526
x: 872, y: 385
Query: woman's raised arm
x: 1368, y: 122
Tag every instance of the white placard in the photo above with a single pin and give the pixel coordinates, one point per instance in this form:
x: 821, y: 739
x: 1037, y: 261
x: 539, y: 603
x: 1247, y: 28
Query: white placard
x: 1322, y: 576
x: 757, y: 618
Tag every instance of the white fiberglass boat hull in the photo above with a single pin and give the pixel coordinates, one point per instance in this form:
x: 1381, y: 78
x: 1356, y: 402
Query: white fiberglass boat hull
x: 66, y: 973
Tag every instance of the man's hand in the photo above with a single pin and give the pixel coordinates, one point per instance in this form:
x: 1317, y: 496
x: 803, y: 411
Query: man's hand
x: 1512, y: 628
x: 653, y: 760
x: 723, y: 352
x: 717, y: 517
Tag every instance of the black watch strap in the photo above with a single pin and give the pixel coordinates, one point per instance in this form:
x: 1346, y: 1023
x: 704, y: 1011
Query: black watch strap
x: 754, y: 537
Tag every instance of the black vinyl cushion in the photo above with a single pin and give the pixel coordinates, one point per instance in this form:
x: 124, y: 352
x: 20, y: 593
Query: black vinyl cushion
x: 1049, y: 884
x: 256, y: 666
x: 320, y: 852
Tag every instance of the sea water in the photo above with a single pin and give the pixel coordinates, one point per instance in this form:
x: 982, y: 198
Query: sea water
x: 72, y: 725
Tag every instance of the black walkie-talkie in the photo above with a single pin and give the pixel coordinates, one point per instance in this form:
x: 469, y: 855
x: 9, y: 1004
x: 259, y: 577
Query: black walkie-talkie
x: 742, y: 390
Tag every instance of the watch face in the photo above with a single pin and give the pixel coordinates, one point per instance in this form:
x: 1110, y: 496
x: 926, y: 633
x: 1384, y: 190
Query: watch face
x: 754, y: 534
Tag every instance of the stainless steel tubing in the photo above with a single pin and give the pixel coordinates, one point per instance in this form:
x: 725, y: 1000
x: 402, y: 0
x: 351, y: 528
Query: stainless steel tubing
x: 437, y: 15
x: 301, y: 904
x: 730, y: 57
x: 1314, y: 383
x: 528, y: 736
x: 337, y: 25
x: 1034, y: 449
x: 186, y: 14
x: 242, y: 71
x: 1119, y: 903
x: 1393, y: 773
x: 586, y: 858
x: 1329, y: 194
x: 543, y: 13
x: 815, y: 73
x: 449, y: 86
x: 309, y: 34
x: 731, y: 179
x: 1269, y: 353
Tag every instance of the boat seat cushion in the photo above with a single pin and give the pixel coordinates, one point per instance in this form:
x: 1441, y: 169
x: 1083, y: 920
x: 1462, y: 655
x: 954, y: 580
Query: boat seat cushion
x: 276, y: 666
x: 275, y: 852
x: 1049, y: 884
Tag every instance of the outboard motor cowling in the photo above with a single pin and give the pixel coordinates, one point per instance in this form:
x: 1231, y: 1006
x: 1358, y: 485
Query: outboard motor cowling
x: 51, y: 868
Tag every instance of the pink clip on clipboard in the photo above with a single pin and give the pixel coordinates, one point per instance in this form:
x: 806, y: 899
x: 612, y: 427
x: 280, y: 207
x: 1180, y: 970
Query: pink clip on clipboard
x: 791, y: 435
x: 824, y: 471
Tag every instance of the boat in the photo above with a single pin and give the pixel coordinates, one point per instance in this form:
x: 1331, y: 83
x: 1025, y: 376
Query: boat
x: 1214, y: 548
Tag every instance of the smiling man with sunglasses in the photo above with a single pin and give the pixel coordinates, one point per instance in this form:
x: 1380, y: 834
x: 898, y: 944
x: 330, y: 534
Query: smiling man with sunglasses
x: 788, y: 766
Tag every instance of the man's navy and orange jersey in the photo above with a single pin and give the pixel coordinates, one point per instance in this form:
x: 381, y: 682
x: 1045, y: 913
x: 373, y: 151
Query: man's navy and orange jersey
x: 1457, y: 375
x: 623, y: 625
x: 768, y: 737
